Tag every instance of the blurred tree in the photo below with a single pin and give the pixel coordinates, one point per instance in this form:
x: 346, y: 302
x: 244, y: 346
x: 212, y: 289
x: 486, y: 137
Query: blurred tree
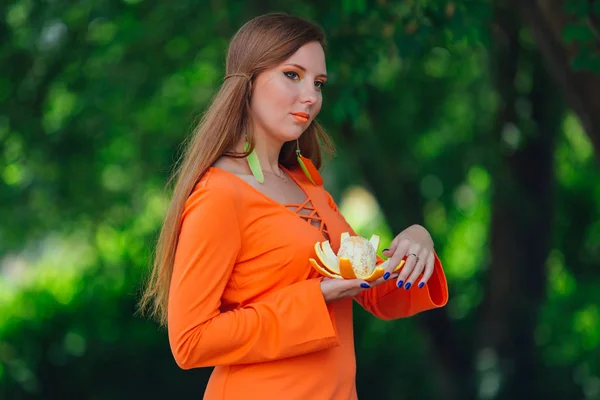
x: 568, y: 35
x: 442, y: 109
x: 527, y: 124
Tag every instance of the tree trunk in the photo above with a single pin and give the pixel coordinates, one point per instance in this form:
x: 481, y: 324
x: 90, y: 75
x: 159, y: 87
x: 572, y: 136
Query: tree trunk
x: 452, y: 353
x: 547, y: 20
x: 521, y: 219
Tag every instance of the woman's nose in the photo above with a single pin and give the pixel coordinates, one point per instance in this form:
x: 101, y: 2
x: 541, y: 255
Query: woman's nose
x: 309, y: 94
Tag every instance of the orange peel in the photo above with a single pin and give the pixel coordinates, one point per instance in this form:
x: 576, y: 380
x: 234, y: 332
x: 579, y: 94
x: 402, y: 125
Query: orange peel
x: 356, y: 258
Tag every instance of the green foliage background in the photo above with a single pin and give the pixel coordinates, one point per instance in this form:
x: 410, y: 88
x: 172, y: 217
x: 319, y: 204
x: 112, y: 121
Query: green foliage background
x: 97, y: 96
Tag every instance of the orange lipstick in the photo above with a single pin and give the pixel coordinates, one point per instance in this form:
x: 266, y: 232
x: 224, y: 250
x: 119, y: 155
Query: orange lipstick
x: 301, y: 117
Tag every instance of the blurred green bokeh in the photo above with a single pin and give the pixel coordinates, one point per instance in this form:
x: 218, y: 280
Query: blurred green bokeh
x: 444, y: 113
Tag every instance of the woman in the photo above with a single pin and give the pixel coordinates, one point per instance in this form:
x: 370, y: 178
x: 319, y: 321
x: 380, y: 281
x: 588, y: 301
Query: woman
x: 232, y: 278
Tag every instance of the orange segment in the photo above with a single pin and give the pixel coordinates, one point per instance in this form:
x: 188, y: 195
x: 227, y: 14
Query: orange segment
x: 346, y: 269
x: 322, y: 270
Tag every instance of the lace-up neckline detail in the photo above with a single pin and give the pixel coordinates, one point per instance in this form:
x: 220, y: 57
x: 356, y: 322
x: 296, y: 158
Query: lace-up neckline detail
x: 307, y: 212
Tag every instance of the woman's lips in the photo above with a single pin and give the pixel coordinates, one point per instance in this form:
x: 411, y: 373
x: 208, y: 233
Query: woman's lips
x: 301, y: 117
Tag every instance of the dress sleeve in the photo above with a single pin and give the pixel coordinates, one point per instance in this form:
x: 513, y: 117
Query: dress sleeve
x: 388, y: 302
x: 292, y: 321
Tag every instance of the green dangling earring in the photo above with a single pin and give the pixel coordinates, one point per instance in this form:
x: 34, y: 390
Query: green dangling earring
x: 254, y: 164
x: 308, y: 167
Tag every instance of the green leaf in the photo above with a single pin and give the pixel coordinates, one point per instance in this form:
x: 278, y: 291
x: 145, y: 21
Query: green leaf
x: 577, y: 32
x: 586, y: 60
x: 577, y: 8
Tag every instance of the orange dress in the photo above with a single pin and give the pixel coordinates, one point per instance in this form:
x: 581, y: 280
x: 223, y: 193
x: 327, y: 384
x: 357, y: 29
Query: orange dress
x: 245, y: 299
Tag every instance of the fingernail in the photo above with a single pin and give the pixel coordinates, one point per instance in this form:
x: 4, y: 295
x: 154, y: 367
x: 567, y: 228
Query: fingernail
x: 365, y: 285
x: 384, y: 250
x: 386, y: 275
x: 421, y: 285
x: 407, y: 286
x: 400, y: 284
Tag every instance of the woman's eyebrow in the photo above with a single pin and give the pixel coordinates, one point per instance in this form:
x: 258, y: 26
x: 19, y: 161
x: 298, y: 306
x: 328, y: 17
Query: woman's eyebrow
x: 304, y: 70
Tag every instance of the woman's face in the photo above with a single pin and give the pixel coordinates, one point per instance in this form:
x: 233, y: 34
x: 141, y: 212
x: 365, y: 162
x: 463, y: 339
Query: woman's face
x: 287, y: 98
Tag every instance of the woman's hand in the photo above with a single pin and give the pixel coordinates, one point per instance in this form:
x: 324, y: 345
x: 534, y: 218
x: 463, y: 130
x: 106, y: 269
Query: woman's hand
x: 337, y: 289
x: 414, y: 244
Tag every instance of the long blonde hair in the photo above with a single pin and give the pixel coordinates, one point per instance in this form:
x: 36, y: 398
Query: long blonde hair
x: 262, y: 43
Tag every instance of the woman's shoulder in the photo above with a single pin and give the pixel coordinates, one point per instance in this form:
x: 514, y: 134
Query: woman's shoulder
x: 217, y: 186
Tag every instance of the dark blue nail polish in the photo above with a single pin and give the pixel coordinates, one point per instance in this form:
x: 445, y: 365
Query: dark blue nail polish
x: 365, y: 285
x: 386, y: 275
x: 400, y: 284
x: 421, y: 285
x: 407, y: 286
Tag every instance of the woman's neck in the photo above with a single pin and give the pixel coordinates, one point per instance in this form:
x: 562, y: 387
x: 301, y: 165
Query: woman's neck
x: 267, y: 152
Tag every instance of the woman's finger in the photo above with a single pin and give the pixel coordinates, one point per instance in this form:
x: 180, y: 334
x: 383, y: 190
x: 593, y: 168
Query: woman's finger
x: 337, y: 289
x: 396, y: 257
x: 411, y: 260
x: 418, y: 269
x: 392, y: 247
x: 379, y: 281
x: 428, y: 269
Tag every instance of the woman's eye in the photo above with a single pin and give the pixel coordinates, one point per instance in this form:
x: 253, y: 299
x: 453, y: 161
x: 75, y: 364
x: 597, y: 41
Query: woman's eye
x: 291, y: 74
x: 319, y: 84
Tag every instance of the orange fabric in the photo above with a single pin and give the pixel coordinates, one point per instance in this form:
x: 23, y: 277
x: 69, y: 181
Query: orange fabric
x: 245, y: 299
x: 311, y: 216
